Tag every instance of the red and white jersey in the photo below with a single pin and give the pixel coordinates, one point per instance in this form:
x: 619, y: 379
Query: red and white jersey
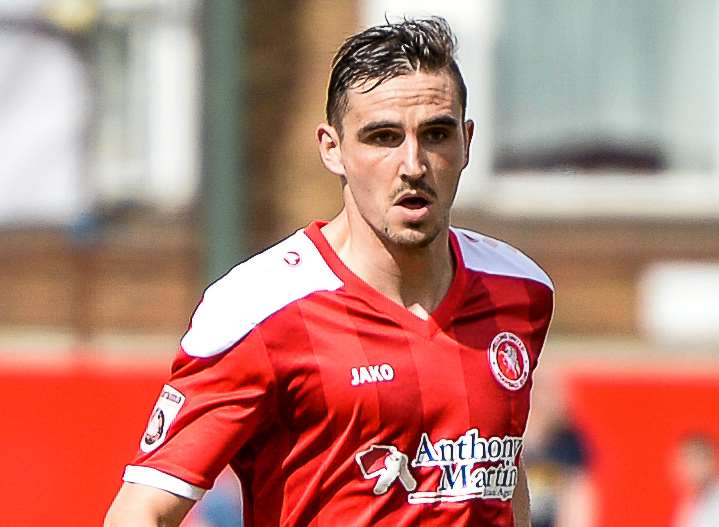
x: 337, y: 406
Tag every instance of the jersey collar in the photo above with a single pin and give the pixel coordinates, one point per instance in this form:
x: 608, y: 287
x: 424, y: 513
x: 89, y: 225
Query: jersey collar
x: 440, y: 318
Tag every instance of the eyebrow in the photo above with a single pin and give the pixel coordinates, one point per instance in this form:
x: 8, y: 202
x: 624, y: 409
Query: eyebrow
x: 442, y: 120
x: 376, y: 125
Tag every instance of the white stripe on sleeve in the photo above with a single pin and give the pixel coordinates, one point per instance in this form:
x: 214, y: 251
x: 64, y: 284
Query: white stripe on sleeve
x: 155, y: 478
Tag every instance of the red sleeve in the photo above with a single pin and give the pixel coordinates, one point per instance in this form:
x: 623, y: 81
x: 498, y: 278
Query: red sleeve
x: 207, y: 411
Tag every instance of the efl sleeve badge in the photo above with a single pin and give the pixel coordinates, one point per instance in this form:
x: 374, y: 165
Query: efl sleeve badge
x: 164, y: 412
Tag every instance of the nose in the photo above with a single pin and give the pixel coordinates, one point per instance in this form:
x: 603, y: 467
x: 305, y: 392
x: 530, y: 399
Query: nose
x: 414, y: 163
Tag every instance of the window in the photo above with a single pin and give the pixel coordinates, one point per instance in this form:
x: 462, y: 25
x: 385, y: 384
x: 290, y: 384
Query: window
x: 587, y: 107
x: 147, y: 134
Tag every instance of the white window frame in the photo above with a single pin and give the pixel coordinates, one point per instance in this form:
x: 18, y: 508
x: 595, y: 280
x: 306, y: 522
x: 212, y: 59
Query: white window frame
x: 160, y: 128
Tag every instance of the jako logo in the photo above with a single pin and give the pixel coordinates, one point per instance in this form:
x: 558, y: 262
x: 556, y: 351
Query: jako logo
x: 379, y: 373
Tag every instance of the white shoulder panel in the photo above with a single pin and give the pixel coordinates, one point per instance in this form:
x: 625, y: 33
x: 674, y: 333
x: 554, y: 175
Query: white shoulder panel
x: 485, y: 254
x: 254, y: 290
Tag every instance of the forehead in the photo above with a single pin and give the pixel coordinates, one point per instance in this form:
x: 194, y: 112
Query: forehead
x: 417, y: 94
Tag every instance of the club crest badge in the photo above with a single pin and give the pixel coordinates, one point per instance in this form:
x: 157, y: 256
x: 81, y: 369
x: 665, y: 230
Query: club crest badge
x: 509, y: 360
x: 164, y: 412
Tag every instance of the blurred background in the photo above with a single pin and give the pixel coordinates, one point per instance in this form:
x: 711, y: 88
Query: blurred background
x: 148, y: 145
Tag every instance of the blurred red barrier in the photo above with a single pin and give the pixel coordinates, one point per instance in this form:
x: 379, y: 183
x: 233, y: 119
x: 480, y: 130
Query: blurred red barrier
x: 68, y: 430
x: 632, y: 422
x: 70, y: 427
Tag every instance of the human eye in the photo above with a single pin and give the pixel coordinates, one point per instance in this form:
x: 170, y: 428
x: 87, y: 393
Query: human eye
x: 436, y: 134
x: 386, y: 138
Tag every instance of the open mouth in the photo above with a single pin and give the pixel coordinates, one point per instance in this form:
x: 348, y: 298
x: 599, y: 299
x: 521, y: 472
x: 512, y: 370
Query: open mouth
x: 413, y: 202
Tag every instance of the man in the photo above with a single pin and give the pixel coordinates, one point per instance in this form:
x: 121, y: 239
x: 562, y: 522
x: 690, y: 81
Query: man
x: 350, y: 375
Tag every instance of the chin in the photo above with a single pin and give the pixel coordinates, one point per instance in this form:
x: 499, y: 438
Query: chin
x: 411, y: 236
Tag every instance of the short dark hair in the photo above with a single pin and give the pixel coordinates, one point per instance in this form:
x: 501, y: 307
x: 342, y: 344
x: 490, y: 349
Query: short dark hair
x: 389, y: 50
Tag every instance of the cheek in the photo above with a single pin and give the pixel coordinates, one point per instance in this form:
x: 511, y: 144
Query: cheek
x: 363, y: 161
x: 370, y: 175
x: 446, y: 171
x: 451, y: 157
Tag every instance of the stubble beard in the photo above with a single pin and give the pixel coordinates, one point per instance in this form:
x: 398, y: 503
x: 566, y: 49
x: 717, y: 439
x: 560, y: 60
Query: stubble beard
x: 419, y: 234
x: 414, y: 235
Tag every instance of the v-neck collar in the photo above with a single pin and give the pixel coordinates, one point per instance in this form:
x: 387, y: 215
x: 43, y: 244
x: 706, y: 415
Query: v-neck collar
x: 440, y: 318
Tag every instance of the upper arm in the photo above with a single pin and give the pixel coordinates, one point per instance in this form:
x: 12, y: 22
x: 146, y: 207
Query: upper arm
x: 210, y: 408
x: 141, y: 506
x: 219, y: 397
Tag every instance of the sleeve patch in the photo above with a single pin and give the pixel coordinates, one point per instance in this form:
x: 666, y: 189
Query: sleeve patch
x: 166, y: 409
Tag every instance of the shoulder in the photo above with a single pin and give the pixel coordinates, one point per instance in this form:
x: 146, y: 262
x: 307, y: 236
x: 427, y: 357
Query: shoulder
x: 254, y: 290
x: 489, y: 255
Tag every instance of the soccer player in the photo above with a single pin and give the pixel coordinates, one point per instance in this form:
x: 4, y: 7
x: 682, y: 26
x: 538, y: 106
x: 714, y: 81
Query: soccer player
x: 373, y: 370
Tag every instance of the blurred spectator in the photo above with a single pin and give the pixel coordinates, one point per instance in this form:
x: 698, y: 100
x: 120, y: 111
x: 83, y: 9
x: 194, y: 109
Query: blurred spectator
x: 556, y: 461
x: 698, y: 474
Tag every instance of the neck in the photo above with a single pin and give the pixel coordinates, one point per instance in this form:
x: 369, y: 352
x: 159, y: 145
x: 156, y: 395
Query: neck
x: 415, y: 277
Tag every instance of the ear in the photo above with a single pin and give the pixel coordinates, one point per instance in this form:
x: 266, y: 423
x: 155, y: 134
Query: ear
x: 328, y: 142
x: 468, y: 134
